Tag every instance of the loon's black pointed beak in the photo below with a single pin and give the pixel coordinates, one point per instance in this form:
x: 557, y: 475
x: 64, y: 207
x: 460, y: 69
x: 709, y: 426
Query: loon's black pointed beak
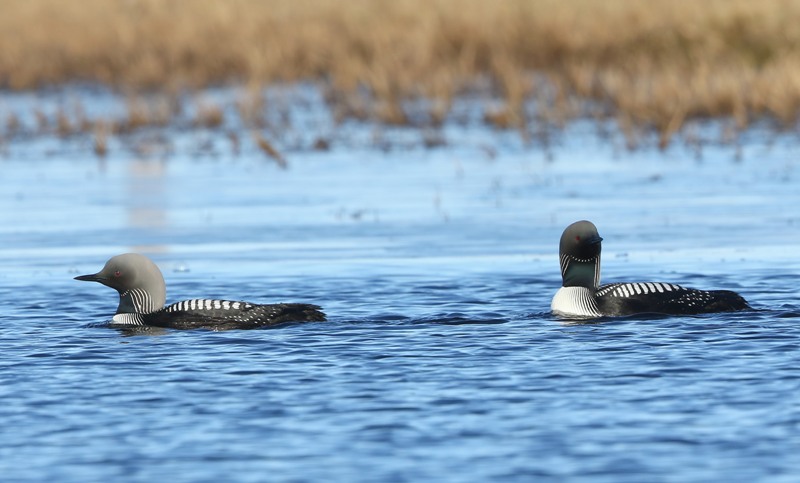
x: 89, y: 278
x: 595, y: 240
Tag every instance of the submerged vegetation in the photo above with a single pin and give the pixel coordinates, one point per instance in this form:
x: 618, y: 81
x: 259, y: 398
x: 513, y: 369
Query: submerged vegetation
x: 650, y: 66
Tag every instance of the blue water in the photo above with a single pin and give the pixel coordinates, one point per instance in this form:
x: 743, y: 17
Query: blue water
x: 440, y: 360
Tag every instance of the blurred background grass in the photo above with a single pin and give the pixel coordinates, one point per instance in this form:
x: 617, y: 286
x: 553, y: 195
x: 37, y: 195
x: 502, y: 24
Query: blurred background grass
x: 648, y: 65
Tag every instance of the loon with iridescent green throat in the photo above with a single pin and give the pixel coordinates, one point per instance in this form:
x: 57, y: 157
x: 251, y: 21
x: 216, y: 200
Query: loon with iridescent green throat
x: 582, y: 297
x: 143, y: 293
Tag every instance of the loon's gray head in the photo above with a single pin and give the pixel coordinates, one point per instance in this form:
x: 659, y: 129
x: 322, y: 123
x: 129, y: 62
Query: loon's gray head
x: 579, y: 255
x: 137, y: 279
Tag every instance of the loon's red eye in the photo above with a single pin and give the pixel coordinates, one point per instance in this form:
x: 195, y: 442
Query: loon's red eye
x: 117, y: 273
x: 577, y: 238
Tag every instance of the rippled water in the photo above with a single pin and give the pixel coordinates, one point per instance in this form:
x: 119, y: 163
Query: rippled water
x: 440, y: 361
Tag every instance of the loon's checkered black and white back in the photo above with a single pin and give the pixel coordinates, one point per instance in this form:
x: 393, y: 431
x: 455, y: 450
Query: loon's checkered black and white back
x: 582, y: 296
x: 664, y: 298
x: 143, y: 293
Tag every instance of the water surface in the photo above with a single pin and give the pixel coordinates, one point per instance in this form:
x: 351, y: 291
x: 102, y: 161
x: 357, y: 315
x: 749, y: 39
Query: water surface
x: 440, y: 360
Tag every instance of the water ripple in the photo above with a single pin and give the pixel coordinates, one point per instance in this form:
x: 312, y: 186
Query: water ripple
x: 440, y: 360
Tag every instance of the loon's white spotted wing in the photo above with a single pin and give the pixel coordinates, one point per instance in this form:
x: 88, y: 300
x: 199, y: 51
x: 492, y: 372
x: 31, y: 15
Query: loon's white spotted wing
x: 206, y: 305
x: 638, y: 288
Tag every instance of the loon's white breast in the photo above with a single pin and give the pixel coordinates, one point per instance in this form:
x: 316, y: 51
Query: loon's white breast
x: 576, y: 302
x: 127, y: 319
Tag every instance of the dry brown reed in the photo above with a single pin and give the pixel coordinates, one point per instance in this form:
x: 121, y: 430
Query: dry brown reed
x: 64, y: 126
x: 208, y: 115
x: 101, y: 139
x: 267, y: 148
x: 651, y: 65
x: 13, y: 124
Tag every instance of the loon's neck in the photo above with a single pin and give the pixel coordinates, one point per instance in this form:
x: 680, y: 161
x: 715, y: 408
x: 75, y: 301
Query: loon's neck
x: 580, y: 272
x: 136, y: 301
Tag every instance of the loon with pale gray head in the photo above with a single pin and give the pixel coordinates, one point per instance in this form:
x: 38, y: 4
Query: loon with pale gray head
x: 143, y: 293
x: 582, y: 296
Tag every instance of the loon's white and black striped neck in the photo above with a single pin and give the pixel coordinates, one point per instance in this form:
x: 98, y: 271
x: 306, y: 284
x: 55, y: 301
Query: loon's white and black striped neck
x: 582, y: 296
x: 580, y: 272
x: 137, y: 301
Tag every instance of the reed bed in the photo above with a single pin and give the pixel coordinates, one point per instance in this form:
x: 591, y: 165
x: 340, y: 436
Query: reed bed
x: 653, y: 66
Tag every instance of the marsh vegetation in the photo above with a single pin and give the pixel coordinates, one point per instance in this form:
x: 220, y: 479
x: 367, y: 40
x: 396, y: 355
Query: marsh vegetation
x: 651, y: 67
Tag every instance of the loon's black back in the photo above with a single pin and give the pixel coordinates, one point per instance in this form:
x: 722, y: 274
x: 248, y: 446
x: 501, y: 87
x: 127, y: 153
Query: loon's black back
x: 621, y: 299
x: 213, y: 314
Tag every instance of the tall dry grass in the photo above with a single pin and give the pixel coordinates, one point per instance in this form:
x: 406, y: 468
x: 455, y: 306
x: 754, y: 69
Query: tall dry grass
x: 650, y: 64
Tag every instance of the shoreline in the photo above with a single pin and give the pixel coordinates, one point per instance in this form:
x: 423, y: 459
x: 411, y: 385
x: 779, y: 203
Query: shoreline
x: 281, y: 121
